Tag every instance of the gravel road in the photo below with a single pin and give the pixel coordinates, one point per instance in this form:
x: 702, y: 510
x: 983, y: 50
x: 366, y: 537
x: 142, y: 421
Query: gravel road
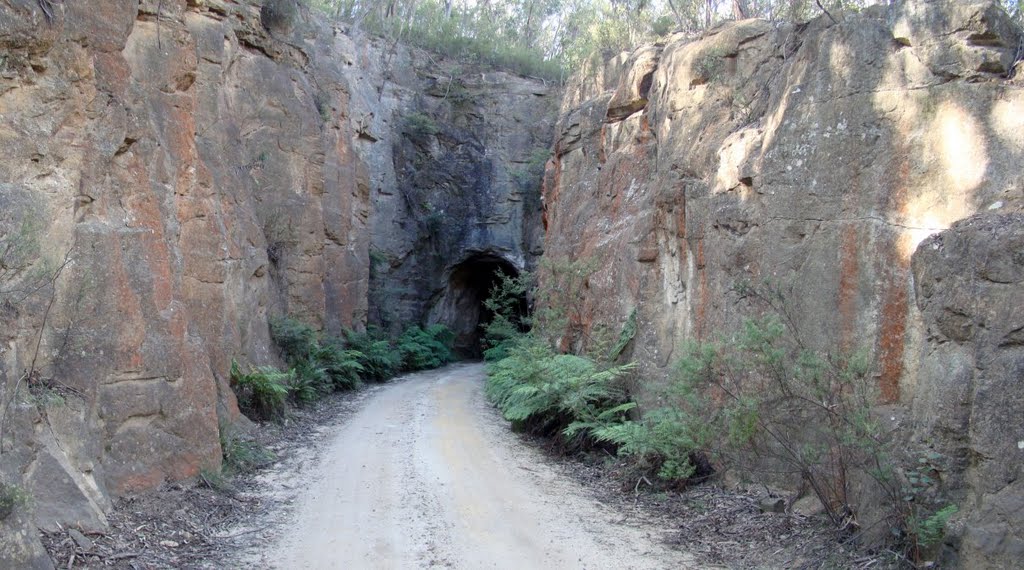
x: 427, y: 475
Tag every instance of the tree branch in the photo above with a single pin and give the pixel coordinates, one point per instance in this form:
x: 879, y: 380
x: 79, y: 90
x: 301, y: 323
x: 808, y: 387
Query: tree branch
x: 818, y: 2
x: 31, y: 372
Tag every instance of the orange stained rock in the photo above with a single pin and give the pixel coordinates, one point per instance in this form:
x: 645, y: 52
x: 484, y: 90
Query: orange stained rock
x: 849, y: 274
x: 891, y: 341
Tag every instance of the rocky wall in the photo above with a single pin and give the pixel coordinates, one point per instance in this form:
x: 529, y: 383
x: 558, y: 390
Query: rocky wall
x: 456, y: 154
x: 967, y: 404
x: 168, y: 181
x: 813, y: 160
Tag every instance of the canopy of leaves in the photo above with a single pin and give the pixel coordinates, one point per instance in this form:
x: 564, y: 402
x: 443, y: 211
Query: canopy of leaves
x: 552, y: 38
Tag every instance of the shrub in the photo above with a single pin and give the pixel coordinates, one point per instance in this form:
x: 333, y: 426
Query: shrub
x: 710, y: 66
x: 297, y: 340
x: 928, y: 530
x: 529, y: 175
x: 308, y: 382
x: 262, y: 392
x: 341, y: 364
x: 19, y: 250
x: 921, y: 514
x: 507, y: 323
x: 377, y: 259
x: 625, y: 336
x: 378, y: 358
x: 560, y: 298
x: 553, y: 394
x: 241, y: 455
x: 777, y: 402
x: 215, y: 479
x: 806, y: 412
x: 320, y: 366
x: 499, y: 337
x: 663, y: 26
x: 443, y: 35
x: 765, y: 400
x: 419, y: 125
x: 278, y: 14
x: 669, y: 438
x: 422, y: 349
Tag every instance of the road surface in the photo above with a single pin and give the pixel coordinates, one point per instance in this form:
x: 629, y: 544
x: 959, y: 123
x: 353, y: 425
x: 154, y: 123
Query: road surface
x: 427, y: 475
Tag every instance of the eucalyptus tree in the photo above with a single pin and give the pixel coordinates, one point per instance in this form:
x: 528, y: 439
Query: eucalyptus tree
x: 551, y: 37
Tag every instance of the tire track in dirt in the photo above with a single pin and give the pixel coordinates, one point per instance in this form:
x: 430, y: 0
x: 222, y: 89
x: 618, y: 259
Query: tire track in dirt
x: 427, y: 475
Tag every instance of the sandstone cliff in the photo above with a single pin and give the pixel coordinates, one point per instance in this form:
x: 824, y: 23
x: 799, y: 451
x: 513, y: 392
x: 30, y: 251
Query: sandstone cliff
x: 818, y: 158
x: 455, y: 154
x: 185, y: 175
x: 198, y: 173
x: 202, y: 169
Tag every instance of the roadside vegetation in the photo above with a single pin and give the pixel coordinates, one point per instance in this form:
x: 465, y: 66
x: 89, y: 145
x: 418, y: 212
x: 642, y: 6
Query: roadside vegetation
x: 318, y: 365
x: 758, y: 402
x: 540, y: 388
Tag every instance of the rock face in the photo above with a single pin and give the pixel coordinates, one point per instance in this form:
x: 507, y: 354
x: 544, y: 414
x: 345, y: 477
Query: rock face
x: 969, y: 284
x: 189, y: 173
x: 170, y: 179
x: 816, y: 158
x: 456, y: 155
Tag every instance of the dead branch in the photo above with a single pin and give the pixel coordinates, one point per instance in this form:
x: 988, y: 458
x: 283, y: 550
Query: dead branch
x: 818, y: 2
x: 32, y: 372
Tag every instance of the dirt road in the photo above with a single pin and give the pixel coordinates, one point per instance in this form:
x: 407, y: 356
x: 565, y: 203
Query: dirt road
x: 427, y: 475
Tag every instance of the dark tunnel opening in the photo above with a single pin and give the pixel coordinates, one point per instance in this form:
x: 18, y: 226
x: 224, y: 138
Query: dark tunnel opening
x: 462, y: 307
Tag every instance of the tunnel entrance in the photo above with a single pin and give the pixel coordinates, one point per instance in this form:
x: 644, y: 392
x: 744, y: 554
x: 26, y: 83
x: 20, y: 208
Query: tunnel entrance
x: 462, y: 306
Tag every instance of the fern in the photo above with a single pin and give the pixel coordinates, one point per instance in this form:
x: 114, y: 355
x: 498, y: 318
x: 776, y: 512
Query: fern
x: 523, y: 366
x: 343, y: 366
x: 380, y: 360
x: 422, y: 349
x: 309, y: 382
x: 930, y: 530
x: 296, y: 339
x: 667, y: 437
x: 585, y: 395
x: 602, y: 420
x: 262, y: 391
x: 318, y: 369
x: 556, y: 394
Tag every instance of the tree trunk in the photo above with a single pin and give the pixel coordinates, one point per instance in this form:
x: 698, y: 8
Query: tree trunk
x: 740, y: 11
x: 675, y: 12
x: 528, y: 32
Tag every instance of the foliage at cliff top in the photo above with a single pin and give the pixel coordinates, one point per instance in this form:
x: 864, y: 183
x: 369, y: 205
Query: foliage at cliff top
x: 552, y: 38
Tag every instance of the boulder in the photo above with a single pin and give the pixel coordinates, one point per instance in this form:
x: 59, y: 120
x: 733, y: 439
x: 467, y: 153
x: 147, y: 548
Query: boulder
x: 969, y: 398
